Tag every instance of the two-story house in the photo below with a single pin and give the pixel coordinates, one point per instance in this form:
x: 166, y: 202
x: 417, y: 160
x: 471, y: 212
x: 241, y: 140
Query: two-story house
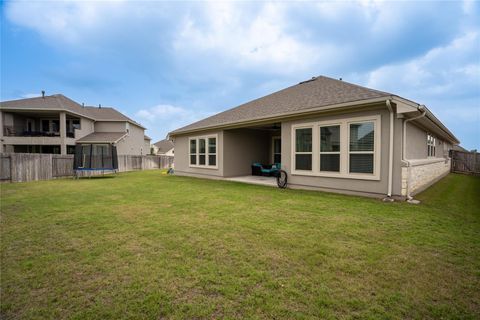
x: 54, y: 124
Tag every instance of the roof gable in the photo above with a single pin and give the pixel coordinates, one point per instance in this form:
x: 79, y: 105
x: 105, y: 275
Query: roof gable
x: 164, y: 145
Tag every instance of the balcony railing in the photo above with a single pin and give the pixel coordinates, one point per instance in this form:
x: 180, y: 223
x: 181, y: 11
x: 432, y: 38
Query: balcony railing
x: 11, y: 132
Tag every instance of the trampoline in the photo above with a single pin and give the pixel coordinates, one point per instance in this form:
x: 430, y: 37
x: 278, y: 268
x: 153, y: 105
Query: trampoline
x: 95, y: 157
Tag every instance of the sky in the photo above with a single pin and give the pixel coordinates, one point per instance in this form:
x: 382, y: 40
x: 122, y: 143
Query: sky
x: 167, y: 64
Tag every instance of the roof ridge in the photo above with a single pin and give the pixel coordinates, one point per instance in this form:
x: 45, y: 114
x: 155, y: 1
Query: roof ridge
x: 353, y: 84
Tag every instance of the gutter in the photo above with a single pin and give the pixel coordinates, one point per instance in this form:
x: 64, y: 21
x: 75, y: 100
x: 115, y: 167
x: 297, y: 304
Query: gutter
x: 406, y: 161
x: 390, y: 150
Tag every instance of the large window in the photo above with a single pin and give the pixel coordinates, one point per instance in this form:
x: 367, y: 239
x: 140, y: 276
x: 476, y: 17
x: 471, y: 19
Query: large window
x: 362, y: 147
x: 431, y: 145
x: 303, y: 149
x: 330, y: 148
x: 203, y: 151
x: 341, y: 148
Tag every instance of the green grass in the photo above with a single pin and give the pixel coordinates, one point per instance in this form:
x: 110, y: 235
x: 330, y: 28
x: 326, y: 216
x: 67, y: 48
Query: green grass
x: 147, y: 245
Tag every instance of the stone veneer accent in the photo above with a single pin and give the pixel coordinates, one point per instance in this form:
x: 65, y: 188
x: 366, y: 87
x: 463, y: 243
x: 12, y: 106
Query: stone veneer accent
x: 424, y: 173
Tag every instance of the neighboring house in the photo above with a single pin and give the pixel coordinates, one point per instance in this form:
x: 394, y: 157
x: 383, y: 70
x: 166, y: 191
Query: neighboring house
x: 328, y: 135
x: 460, y: 148
x: 164, y: 147
x: 54, y: 124
x: 147, y: 145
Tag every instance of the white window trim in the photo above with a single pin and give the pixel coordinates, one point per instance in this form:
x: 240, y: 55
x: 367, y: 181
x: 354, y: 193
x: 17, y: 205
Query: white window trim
x: 207, y: 153
x: 320, y: 152
x: 294, y: 146
x: 344, y: 148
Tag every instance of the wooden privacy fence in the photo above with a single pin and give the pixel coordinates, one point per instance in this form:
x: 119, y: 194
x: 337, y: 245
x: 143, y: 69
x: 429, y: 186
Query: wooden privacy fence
x: 21, y: 167
x: 466, y: 162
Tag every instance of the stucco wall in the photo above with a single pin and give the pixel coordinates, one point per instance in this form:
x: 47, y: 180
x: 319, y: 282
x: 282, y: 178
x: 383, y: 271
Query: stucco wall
x: 86, y: 127
x: 242, y: 147
x: 133, y: 143
x: 111, y: 126
x: 7, y: 118
x: 374, y: 187
x: 416, y: 147
x: 181, y: 158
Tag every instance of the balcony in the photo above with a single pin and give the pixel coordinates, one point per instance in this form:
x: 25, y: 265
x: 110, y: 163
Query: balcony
x: 11, y: 132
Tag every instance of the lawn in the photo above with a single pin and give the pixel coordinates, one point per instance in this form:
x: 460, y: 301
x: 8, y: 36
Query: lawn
x: 147, y: 245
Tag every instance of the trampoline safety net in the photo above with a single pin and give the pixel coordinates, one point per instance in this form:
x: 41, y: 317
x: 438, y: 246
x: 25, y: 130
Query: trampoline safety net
x: 95, y: 157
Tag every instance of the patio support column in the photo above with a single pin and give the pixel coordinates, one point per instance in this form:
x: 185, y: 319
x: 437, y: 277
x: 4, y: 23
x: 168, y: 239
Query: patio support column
x: 63, y: 133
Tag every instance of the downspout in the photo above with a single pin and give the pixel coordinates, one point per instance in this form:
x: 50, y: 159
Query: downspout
x: 404, y: 144
x: 390, y: 149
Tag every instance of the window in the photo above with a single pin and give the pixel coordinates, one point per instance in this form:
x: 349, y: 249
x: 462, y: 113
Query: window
x: 212, y: 151
x: 203, y: 151
x: 339, y: 148
x: 277, y: 150
x: 50, y: 125
x: 330, y: 148
x: 55, y: 125
x: 73, y: 124
x: 303, y: 149
x: 193, y: 151
x: 431, y: 140
x: 362, y: 147
x: 46, y: 125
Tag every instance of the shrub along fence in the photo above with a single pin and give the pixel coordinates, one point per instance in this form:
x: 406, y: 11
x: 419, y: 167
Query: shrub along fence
x: 21, y: 167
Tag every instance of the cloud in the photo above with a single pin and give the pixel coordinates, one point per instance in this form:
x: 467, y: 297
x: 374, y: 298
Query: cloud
x: 442, y: 75
x: 209, y: 56
x: 165, y: 118
x: 247, y: 40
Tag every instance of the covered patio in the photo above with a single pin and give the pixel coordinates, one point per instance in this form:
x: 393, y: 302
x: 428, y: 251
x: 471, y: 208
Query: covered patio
x: 252, y: 152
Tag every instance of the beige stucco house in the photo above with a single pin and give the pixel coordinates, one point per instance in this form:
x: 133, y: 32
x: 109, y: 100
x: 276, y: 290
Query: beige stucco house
x: 328, y: 135
x: 54, y: 124
x: 164, y: 147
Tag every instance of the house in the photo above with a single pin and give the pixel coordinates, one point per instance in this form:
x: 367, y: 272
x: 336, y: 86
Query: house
x: 460, y: 148
x: 164, y: 147
x: 54, y: 124
x: 328, y: 135
x: 147, y: 144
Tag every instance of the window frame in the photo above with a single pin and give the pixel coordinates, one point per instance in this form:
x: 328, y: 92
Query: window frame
x: 320, y: 152
x: 350, y: 152
x: 206, y: 154
x: 431, y: 146
x: 294, y: 147
x: 344, y: 148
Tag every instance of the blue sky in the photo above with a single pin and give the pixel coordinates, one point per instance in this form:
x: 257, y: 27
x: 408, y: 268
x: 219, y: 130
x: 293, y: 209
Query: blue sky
x: 167, y: 64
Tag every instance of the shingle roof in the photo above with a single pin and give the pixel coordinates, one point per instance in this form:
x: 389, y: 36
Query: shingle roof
x: 99, y: 137
x: 60, y: 102
x: 164, y: 145
x: 317, y: 92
